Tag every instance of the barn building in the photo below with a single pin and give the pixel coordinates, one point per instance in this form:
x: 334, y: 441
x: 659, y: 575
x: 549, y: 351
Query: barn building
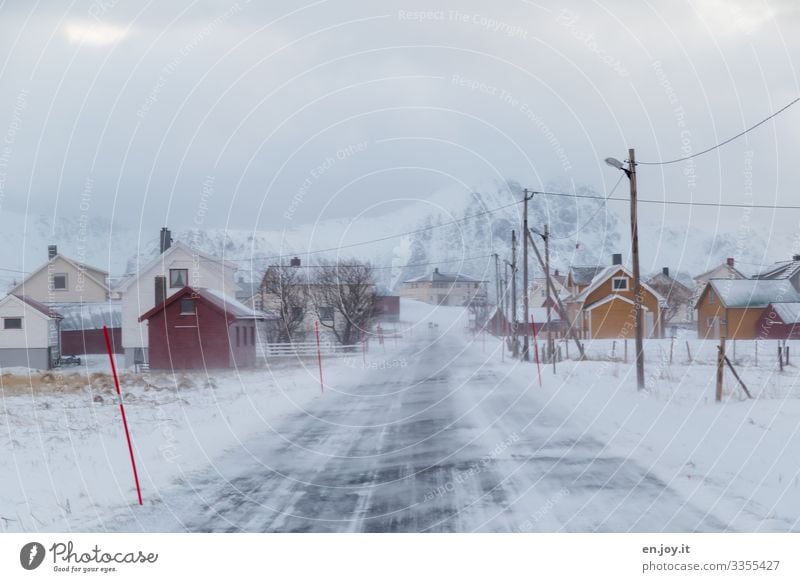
x: 202, y: 329
x: 779, y: 321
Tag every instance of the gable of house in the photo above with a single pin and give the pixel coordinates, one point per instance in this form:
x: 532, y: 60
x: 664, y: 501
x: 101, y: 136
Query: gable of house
x: 63, y: 280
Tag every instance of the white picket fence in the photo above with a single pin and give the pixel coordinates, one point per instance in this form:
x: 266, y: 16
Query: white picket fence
x: 308, y: 349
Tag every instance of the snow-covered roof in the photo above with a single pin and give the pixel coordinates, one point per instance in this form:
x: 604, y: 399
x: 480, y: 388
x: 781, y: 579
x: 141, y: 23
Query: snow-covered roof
x: 86, y: 316
x: 584, y: 275
x: 740, y: 293
x: 605, y: 274
x: 231, y: 305
x: 788, y: 312
x: 437, y: 276
x: 733, y: 272
x: 779, y: 270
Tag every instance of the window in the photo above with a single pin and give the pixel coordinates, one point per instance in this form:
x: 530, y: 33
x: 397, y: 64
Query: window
x: 711, y: 297
x: 60, y: 281
x: 187, y: 307
x: 252, y: 336
x: 238, y: 341
x: 619, y: 283
x: 178, y: 277
x: 12, y: 323
x: 326, y: 313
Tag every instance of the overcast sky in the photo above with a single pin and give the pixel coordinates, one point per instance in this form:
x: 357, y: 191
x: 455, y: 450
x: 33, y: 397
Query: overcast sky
x: 283, y: 114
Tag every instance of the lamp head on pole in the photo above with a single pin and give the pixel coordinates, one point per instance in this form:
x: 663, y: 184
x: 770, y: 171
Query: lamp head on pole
x: 615, y: 163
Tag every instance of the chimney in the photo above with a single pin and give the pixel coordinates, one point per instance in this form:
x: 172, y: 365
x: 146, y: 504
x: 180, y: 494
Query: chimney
x: 295, y: 262
x: 796, y: 257
x: 436, y: 270
x: 616, y: 259
x: 556, y: 273
x: 165, y: 239
x: 730, y: 261
x: 161, y: 289
x: 665, y: 270
x: 52, y: 251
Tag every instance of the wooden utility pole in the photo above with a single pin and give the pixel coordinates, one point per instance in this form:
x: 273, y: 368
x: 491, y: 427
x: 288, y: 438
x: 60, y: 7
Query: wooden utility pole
x: 637, y: 284
x: 550, y: 344
x: 526, y: 309
x: 720, y: 369
x: 498, y: 285
x: 570, y: 328
x: 514, y: 342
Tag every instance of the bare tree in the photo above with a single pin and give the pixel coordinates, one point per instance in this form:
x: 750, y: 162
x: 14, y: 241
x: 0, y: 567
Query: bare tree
x: 285, y: 289
x: 343, y: 296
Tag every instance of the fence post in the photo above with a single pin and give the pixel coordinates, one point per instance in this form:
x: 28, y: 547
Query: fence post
x: 613, y: 349
x: 319, y: 358
x: 734, y: 352
x: 780, y: 357
x: 626, y: 350
x: 756, y: 345
x: 688, y: 352
x: 720, y: 368
x: 671, y: 346
x: 786, y: 350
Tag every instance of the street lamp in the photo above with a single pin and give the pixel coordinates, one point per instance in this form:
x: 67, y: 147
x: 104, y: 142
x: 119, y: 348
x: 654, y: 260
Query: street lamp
x: 630, y: 171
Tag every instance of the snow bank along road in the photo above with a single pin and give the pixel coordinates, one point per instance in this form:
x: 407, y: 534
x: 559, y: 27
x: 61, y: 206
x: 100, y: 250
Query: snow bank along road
x: 432, y: 438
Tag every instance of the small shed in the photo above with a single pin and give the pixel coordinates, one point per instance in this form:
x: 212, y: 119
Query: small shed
x: 29, y: 333
x: 202, y: 329
x: 82, y: 327
x: 779, y: 321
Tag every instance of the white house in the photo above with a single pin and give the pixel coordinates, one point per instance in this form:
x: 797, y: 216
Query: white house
x: 180, y: 266
x: 62, y: 280
x: 29, y: 334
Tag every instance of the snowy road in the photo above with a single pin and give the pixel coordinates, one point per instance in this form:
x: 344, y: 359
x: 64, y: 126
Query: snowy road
x: 441, y: 441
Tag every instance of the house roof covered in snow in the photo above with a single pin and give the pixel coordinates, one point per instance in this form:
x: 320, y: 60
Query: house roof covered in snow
x: 605, y: 274
x: 788, y: 312
x: 742, y: 293
x: 437, y: 276
x: 86, y: 316
x: 584, y: 275
x: 780, y: 270
x: 231, y: 305
x: 94, y: 274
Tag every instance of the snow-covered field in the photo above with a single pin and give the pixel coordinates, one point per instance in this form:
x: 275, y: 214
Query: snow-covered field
x: 64, y: 463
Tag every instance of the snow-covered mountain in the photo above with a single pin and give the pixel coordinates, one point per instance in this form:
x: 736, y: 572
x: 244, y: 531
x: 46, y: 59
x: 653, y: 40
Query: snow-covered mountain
x: 454, y: 229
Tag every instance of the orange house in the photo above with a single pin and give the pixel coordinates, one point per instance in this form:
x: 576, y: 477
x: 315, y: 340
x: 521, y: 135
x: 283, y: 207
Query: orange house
x: 732, y: 307
x: 606, y: 309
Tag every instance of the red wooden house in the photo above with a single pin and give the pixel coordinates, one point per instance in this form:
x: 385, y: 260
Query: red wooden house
x: 201, y: 329
x: 779, y: 321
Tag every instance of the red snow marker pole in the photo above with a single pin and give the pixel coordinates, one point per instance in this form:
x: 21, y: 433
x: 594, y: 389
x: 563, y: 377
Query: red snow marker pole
x: 319, y: 359
x: 536, y: 352
x: 122, y: 411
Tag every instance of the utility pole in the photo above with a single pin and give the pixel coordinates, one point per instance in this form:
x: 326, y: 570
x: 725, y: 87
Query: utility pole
x: 506, y: 302
x: 570, y: 328
x: 550, y: 345
x: 514, y: 343
x: 497, y: 284
x: 526, y: 310
x: 637, y: 284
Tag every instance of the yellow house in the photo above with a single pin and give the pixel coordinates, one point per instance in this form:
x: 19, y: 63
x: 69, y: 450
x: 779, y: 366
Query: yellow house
x: 606, y: 310
x: 731, y: 307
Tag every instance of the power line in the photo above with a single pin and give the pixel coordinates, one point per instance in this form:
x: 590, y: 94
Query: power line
x: 727, y: 141
x: 678, y: 202
x: 594, y: 214
x: 374, y: 240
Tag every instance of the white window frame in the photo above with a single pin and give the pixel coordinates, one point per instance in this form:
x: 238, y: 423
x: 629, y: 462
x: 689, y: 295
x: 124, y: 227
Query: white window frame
x: 614, y: 284
x: 21, y: 323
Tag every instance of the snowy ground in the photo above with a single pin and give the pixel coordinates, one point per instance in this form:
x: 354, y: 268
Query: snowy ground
x: 434, y: 432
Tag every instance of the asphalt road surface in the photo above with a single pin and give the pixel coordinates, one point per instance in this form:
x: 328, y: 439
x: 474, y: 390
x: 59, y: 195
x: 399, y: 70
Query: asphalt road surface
x: 432, y: 438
